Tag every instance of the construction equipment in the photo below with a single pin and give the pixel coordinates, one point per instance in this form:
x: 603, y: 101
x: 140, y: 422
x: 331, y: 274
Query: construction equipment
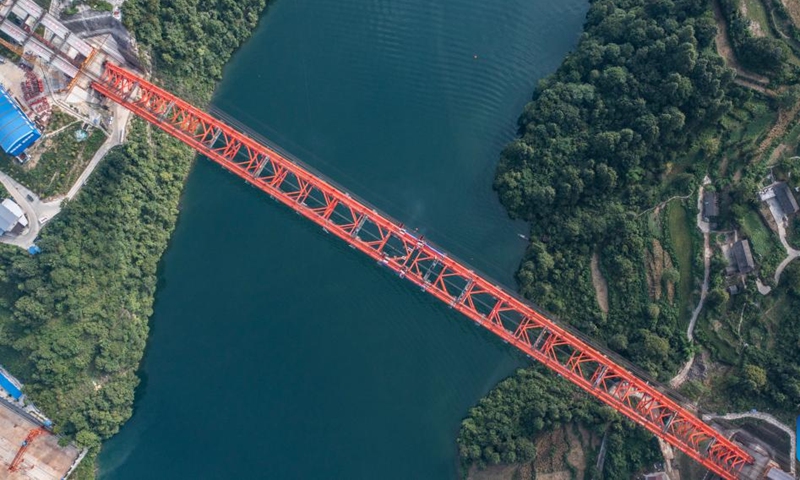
x: 32, y: 435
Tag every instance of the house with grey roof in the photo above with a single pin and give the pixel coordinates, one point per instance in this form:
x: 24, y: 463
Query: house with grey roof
x: 710, y: 206
x: 776, y: 473
x: 785, y: 198
x: 743, y: 257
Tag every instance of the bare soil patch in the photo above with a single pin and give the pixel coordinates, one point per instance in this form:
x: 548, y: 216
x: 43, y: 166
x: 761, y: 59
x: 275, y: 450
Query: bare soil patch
x: 748, y: 79
x: 550, y: 450
x: 723, y: 166
x: 755, y: 27
x: 576, y: 457
x: 656, y: 261
x: 500, y: 472
x: 560, y: 453
x: 562, y: 475
x: 793, y: 6
x: 779, y: 129
x: 600, y: 284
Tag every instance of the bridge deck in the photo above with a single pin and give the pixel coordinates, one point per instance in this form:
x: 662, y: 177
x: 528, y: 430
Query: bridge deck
x: 428, y: 267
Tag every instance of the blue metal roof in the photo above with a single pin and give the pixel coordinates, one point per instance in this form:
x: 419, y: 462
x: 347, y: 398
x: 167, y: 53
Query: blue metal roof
x: 17, y: 132
x: 10, y: 387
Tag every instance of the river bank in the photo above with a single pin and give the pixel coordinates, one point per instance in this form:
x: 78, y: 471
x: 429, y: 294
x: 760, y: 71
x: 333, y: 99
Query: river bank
x: 75, y: 317
x: 276, y: 350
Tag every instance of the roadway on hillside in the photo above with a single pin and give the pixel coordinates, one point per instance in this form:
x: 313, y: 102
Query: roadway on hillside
x: 39, y: 212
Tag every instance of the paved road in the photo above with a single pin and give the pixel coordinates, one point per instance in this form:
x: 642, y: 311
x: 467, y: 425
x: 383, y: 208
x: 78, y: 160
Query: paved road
x: 37, y: 210
x: 18, y: 193
x: 704, y: 227
x: 791, y: 253
x: 116, y: 137
x: 766, y: 417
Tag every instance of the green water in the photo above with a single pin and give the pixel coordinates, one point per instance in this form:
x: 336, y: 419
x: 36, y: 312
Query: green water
x: 278, y: 352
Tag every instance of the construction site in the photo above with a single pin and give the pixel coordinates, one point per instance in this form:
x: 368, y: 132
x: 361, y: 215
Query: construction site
x: 46, y: 71
x: 29, y: 451
x: 84, y: 71
x: 52, y: 59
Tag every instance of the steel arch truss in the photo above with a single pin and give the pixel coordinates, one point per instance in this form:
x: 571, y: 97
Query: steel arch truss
x: 433, y: 270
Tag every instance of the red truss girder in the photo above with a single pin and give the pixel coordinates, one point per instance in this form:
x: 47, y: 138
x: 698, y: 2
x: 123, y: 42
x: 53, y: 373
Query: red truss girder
x: 433, y: 270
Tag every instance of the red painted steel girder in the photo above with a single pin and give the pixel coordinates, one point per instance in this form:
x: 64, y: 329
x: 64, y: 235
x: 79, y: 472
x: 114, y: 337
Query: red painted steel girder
x: 432, y: 269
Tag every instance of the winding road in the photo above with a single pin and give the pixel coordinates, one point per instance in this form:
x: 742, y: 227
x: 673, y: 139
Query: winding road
x: 18, y: 192
x: 35, y: 209
x: 791, y: 253
x: 704, y: 227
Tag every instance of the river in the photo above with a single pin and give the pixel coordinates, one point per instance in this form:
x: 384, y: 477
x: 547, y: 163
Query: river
x: 278, y: 352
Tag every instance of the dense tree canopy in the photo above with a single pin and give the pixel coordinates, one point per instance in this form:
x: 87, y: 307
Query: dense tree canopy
x: 192, y: 40
x: 594, y: 150
x: 504, y: 426
x: 761, y: 54
x: 594, y: 147
x: 81, y: 307
x: 75, y: 320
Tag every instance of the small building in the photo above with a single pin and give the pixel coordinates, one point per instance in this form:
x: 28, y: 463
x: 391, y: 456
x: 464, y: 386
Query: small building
x: 776, y: 473
x: 9, y: 385
x: 656, y: 476
x: 785, y: 198
x: 743, y: 257
x: 710, y: 205
x: 17, y: 131
x: 12, y: 219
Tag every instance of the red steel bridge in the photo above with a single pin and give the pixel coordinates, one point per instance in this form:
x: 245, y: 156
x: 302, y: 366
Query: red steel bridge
x: 433, y: 270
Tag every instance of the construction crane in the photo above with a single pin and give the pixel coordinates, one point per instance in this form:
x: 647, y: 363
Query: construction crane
x: 32, y: 435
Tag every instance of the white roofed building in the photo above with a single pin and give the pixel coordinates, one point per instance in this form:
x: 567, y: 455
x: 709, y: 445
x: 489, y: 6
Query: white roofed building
x: 12, y: 219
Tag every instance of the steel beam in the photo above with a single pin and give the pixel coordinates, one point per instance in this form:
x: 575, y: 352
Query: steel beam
x: 349, y: 218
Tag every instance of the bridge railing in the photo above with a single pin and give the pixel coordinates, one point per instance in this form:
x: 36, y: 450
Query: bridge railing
x: 432, y: 269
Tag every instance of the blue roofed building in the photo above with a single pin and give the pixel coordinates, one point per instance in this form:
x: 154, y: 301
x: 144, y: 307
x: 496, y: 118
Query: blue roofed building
x: 17, y: 131
x: 9, y: 385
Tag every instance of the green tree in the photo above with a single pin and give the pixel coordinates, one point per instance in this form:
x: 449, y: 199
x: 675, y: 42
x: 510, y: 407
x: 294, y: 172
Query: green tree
x: 754, y: 377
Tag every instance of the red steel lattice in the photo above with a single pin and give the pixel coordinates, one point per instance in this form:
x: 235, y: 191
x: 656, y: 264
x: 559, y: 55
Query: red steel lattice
x: 433, y: 270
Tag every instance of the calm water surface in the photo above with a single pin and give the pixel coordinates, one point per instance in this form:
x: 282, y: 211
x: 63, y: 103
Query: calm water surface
x: 278, y: 352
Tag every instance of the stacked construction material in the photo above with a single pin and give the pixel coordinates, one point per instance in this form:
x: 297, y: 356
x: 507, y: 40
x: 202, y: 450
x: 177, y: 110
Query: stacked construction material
x: 32, y: 87
x: 40, y: 106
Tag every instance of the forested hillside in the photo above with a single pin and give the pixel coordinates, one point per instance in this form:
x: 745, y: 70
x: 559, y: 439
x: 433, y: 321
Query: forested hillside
x: 605, y: 139
x: 595, y: 149
x: 76, y: 316
x: 190, y: 41
x: 502, y: 428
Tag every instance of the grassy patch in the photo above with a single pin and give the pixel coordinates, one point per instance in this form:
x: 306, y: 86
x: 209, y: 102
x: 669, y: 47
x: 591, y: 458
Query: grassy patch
x: 761, y: 118
x: 792, y: 137
x: 757, y: 13
x: 759, y: 235
x: 653, y: 222
x: 717, y: 337
x: 59, y: 119
x: 679, y: 223
x: 59, y: 166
